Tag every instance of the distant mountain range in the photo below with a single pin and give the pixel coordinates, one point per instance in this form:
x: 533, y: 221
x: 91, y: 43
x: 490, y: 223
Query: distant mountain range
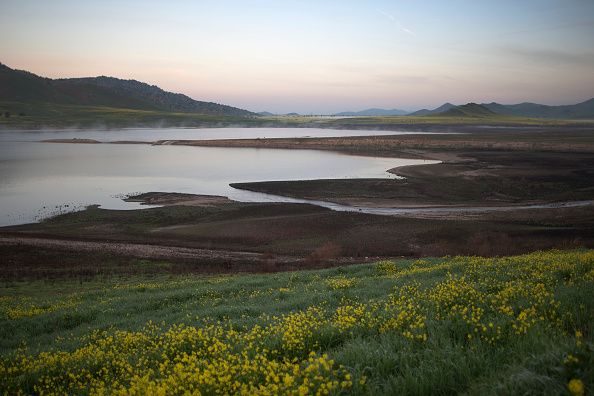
x: 440, y: 109
x: 468, y: 110
x: 28, y: 88
x: 373, y: 112
x: 22, y: 86
x: 580, y: 110
x: 584, y: 110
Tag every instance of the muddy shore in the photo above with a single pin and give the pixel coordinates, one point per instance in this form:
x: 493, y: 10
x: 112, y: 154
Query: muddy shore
x: 486, y: 168
x: 233, y: 237
x: 169, y: 199
x: 478, y: 178
x: 424, y: 146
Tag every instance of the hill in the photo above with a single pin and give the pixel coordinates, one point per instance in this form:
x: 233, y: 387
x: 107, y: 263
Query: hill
x: 468, y: 110
x: 584, y: 110
x: 28, y: 88
x: 373, y: 112
x: 440, y: 109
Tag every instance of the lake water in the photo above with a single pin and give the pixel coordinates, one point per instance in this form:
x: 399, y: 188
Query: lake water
x: 41, y: 179
x: 154, y: 134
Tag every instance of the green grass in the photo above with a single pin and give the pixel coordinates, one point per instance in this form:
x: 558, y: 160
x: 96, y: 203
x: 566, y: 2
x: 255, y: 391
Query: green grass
x: 51, y: 115
x: 38, y: 115
x: 452, y: 120
x: 518, y: 325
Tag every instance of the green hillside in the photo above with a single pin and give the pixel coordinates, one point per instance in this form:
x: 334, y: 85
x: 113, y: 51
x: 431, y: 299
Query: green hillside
x: 454, y: 325
x: 473, y: 110
x: 43, y: 115
x: 440, y: 109
x: 22, y: 87
x: 583, y: 110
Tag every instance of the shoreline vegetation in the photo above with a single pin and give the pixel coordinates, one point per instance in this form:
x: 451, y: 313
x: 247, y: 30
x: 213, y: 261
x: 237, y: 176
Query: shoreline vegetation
x: 38, y: 116
x: 364, y: 123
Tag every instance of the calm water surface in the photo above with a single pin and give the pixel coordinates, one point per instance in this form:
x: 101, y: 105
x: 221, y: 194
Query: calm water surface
x: 41, y: 179
x: 190, y: 133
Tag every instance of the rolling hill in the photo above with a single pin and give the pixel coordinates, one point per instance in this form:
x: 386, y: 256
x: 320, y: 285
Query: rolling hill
x: 24, y: 87
x: 580, y: 110
x: 468, y: 110
x: 583, y: 110
x: 440, y: 109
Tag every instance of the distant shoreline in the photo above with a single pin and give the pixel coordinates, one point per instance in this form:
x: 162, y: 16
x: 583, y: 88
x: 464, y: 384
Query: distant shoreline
x: 530, y: 185
x: 189, y: 121
x: 480, y: 169
x: 550, y: 139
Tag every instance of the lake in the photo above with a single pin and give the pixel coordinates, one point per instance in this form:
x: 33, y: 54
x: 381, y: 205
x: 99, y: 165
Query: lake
x: 154, y: 134
x: 38, y: 180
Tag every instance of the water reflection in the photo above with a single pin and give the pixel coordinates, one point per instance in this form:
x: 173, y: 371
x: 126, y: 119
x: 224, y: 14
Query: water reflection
x: 154, y: 134
x: 38, y: 179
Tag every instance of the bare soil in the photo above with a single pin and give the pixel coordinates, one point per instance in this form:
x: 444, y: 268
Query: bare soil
x: 473, y: 178
x: 168, y: 199
x: 486, y: 166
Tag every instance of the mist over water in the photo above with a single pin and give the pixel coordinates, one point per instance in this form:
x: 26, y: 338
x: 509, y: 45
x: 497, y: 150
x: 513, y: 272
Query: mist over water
x: 38, y: 180
x: 154, y: 134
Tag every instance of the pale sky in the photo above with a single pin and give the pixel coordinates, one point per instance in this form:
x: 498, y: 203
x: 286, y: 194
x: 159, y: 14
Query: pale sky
x: 315, y: 56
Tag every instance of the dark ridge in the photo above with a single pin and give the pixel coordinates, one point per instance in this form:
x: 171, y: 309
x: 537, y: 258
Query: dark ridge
x: 468, y: 110
x: 22, y: 86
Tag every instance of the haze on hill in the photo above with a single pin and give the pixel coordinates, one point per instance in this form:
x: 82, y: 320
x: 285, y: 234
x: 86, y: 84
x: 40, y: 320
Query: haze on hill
x: 25, y: 91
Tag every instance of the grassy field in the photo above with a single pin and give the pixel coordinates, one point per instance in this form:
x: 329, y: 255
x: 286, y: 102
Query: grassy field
x: 511, y: 325
x: 44, y: 115
x: 51, y: 115
x: 453, y: 120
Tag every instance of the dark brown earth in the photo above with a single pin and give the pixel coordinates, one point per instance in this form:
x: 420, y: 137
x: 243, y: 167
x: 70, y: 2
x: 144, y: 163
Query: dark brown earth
x: 75, y: 140
x: 476, y: 178
x: 485, y: 168
x: 566, y: 140
x: 168, y: 199
x: 236, y: 237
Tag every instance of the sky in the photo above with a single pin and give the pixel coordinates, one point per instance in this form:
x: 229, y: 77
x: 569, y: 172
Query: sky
x: 315, y: 57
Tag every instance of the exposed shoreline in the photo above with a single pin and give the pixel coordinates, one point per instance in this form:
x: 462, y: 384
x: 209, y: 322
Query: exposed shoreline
x: 476, y: 170
x: 183, y: 199
x: 399, y: 209
x: 539, y: 186
x: 280, y: 236
x: 414, y: 145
